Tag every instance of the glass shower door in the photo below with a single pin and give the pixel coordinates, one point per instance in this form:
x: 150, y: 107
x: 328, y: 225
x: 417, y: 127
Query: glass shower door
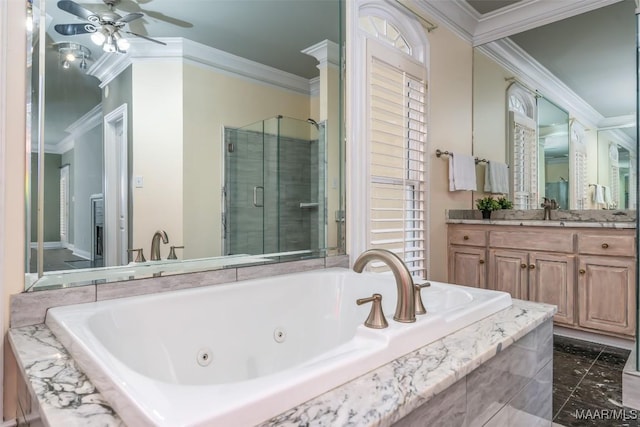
x: 244, y: 193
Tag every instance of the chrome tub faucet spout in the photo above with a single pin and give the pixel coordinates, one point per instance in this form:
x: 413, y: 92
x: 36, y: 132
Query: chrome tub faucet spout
x: 405, y: 307
x: 155, y: 244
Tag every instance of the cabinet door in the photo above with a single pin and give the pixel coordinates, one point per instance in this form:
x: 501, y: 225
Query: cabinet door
x: 606, y: 294
x: 552, y: 281
x: 508, y: 272
x: 467, y: 266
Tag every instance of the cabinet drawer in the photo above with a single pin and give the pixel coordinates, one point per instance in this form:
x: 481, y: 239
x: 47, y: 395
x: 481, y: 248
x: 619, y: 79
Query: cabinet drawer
x: 553, y: 241
x: 465, y: 236
x: 602, y: 244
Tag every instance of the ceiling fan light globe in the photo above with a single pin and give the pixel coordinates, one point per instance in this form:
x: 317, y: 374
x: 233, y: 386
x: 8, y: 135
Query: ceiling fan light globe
x: 123, y: 44
x: 70, y: 57
x: 98, y: 38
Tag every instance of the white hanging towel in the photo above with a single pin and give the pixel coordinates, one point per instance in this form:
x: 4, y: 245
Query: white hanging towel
x: 462, y: 172
x: 607, y: 195
x: 496, y: 178
x: 598, y: 194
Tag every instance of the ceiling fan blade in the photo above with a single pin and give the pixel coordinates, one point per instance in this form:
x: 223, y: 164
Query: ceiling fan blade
x: 145, y: 37
x: 130, y: 17
x: 74, y: 29
x: 77, y: 10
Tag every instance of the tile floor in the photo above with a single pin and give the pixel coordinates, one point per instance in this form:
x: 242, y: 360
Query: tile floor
x: 588, y: 377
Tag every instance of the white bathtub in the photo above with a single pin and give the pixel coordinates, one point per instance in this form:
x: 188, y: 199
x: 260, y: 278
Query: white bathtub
x: 240, y: 353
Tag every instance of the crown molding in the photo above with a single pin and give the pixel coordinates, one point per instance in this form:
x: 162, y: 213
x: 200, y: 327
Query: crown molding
x: 109, y: 66
x: 531, y: 73
x: 459, y: 17
x: 314, y: 86
x: 326, y: 52
x: 88, y: 121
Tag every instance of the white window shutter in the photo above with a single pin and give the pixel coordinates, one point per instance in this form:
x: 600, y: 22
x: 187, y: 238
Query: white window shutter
x: 397, y: 106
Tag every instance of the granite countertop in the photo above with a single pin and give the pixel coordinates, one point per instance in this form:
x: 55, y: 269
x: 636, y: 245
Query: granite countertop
x: 379, y: 398
x: 541, y: 223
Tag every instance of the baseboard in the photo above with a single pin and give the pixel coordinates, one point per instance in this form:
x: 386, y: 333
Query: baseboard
x: 592, y: 337
x: 82, y: 254
x: 47, y: 245
x: 631, y: 383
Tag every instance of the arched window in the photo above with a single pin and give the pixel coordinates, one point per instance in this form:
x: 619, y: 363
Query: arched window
x: 392, y: 146
x: 578, y: 153
x: 522, y: 147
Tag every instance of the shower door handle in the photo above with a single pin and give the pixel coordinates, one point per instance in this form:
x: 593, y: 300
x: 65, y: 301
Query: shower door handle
x: 258, y: 202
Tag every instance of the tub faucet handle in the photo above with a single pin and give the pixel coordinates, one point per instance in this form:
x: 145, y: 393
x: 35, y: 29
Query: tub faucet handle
x: 376, y: 318
x: 418, y: 297
x: 172, y: 252
x: 139, y: 255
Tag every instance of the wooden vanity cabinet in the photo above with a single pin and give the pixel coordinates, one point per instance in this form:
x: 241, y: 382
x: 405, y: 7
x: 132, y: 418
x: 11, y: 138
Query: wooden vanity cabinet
x: 606, y: 282
x: 542, y: 270
x: 467, y: 257
x: 588, y: 274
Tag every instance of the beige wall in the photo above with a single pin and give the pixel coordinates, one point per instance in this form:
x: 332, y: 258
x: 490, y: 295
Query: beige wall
x: 489, y: 113
x: 450, y: 83
x: 157, y: 112
x: 211, y: 102
x: 12, y: 165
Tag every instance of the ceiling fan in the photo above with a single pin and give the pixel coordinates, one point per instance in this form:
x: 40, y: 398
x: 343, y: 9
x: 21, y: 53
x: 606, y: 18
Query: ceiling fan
x: 105, y: 27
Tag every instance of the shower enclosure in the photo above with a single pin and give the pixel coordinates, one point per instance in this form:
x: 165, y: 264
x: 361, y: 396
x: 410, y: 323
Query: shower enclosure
x: 274, y: 193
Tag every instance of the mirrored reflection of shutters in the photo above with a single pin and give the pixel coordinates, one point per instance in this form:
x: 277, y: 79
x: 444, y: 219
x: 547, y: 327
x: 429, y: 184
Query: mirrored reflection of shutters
x: 64, y: 205
x: 397, y: 168
x: 524, y: 161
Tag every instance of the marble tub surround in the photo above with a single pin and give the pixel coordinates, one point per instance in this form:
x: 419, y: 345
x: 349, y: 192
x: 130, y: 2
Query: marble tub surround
x: 386, y: 395
x: 559, y: 215
x: 64, y: 394
x: 29, y: 308
x: 379, y: 398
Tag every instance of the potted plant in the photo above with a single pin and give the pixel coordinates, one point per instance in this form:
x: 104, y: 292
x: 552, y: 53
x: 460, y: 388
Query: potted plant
x: 486, y: 205
x: 505, y: 203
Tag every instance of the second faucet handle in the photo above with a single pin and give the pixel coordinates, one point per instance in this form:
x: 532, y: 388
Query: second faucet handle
x: 418, y: 297
x: 376, y: 318
x: 139, y: 256
x: 172, y: 252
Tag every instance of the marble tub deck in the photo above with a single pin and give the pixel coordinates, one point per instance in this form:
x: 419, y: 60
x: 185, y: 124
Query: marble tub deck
x: 381, y: 397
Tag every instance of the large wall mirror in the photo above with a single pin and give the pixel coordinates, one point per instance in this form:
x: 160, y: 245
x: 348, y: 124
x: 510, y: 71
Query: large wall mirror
x: 192, y: 131
x: 580, y: 73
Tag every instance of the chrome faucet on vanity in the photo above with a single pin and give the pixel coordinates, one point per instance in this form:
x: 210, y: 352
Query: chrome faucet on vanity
x: 155, y: 244
x: 405, y: 307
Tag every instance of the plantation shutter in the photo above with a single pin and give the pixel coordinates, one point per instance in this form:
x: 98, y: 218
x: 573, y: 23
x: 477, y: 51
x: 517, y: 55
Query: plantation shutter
x: 524, y: 161
x: 64, y: 205
x: 398, y: 137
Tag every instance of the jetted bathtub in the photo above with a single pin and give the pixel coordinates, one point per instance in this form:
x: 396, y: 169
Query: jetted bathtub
x: 240, y: 353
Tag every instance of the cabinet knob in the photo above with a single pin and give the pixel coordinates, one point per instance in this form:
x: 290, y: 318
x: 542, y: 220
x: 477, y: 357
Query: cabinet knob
x: 523, y: 265
x: 532, y: 266
x: 605, y: 245
x: 481, y: 261
x: 582, y: 271
x: 465, y: 237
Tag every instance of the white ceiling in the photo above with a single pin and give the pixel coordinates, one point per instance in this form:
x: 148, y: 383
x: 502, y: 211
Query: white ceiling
x: 271, y: 32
